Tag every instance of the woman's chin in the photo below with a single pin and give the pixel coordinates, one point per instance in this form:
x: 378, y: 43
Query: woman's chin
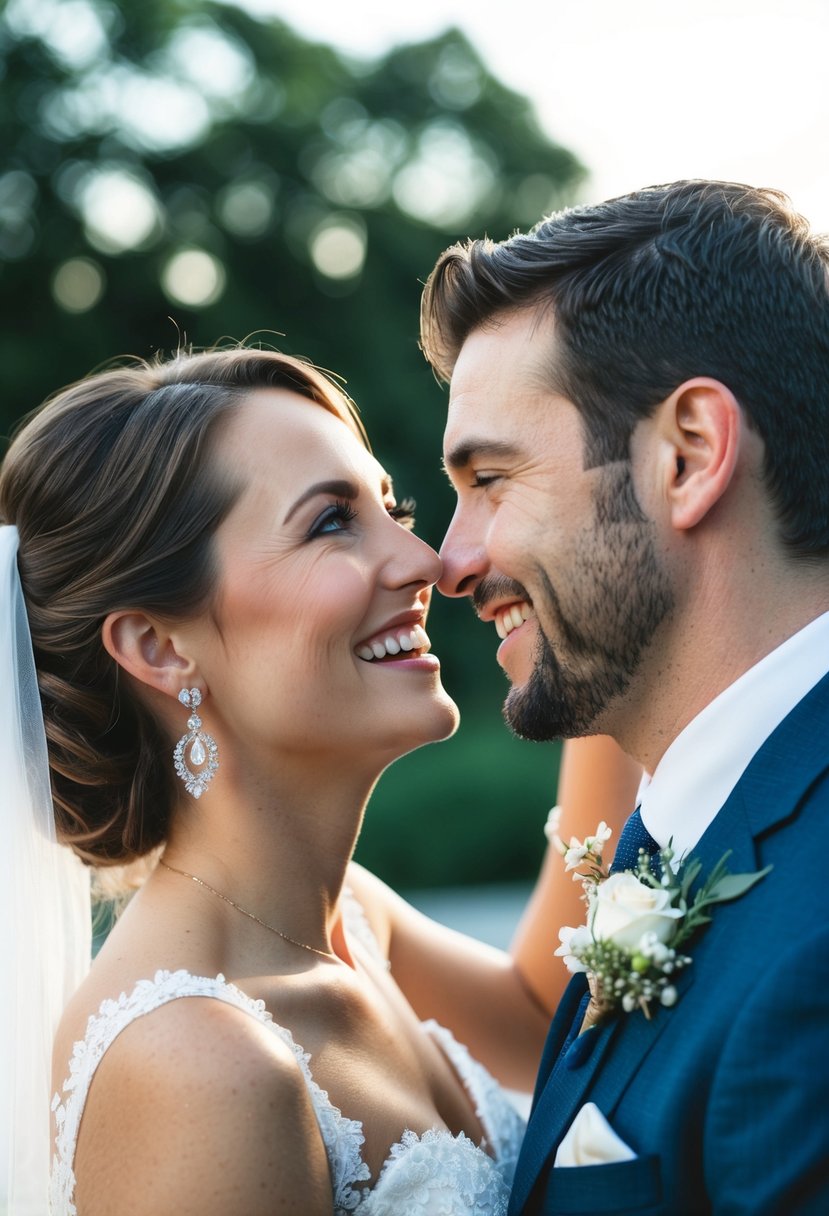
x: 438, y: 722
x: 451, y: 718
x: 445, y: 716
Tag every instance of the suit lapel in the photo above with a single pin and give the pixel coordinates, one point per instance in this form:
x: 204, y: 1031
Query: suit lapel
x: 787, y: 764
x: 562, y: 1022
x: 555, y: 1106
x: 632, y: 1037
x: 772, y: 786
x: 768, y: 792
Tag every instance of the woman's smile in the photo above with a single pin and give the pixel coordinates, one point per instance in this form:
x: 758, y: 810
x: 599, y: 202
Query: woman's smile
x: 401, y: 637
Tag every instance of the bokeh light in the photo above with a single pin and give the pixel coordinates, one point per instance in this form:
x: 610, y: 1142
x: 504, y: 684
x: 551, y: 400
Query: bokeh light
x: 193, y: 277
x: 78, y: 284
x: 246, y: 208
x: 338, y: 247
x: 119, y: 211
x: 447, y: 179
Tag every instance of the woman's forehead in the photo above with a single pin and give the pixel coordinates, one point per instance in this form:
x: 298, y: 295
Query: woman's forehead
x: 282, y: 438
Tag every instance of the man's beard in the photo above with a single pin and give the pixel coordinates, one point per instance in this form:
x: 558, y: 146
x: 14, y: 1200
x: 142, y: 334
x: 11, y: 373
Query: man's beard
x: 619, y: 594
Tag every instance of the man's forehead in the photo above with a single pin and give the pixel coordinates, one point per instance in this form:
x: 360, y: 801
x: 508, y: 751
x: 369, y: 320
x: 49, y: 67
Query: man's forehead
x: 517, y: 343
x: 501, y: 385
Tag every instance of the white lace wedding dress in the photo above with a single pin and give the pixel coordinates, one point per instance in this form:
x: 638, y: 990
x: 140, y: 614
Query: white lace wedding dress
x: 434, y: 1174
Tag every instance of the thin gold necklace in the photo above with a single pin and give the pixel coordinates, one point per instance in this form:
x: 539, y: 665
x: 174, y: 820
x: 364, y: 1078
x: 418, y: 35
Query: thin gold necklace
x: 244, y: 911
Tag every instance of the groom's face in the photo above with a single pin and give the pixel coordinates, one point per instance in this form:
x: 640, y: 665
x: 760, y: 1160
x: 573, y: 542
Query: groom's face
x: 558, y: 556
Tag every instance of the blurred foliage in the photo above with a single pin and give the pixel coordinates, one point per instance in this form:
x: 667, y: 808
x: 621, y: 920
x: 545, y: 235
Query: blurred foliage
x: 177, y: 171
x: 469, y: 810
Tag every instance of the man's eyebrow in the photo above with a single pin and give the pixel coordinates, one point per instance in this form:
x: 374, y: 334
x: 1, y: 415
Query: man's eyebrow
x: 462, y: 455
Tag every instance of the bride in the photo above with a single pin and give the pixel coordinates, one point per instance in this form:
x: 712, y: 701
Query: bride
x: 227, y: 610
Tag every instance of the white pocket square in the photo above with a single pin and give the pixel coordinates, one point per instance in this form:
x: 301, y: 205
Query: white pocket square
x: 591, y: 1140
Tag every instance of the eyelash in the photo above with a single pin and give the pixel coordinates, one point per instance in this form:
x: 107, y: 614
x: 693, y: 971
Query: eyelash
x: 344, y: 512
x: 480, y: 480
x: 404, y: 513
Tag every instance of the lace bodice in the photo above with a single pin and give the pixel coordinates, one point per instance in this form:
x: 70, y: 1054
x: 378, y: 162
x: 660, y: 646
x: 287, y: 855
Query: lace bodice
x: 434, y: 1174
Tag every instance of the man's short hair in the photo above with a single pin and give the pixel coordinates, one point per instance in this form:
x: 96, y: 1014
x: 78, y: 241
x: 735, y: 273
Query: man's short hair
x: 696, y: 278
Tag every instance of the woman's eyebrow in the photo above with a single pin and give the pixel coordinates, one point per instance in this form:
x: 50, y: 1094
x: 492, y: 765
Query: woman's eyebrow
x: 337, y: 488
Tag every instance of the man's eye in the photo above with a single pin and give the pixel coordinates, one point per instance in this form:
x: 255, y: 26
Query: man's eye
x: 484, y: 479
x: 335, y: 518
x: 404, y: 513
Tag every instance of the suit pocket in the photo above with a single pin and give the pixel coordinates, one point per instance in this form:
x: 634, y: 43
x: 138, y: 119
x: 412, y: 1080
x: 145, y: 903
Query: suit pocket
x: 623, y: 1186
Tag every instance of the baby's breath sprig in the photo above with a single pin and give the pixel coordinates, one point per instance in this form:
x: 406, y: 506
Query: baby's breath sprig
x: 580, y: 853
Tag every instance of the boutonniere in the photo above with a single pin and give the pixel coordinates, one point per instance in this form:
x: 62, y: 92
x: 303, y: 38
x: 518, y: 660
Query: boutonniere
x: 638, y: 921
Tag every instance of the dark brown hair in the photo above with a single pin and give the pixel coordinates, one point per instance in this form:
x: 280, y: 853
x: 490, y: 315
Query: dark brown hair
x: 116, y: 498
x: 696, y: 278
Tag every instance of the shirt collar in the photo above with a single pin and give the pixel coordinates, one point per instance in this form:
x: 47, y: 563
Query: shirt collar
x: 706, y: 760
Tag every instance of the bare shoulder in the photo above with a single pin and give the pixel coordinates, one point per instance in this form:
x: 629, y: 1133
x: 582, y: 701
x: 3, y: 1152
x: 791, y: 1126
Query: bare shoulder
x: 200, y: 1108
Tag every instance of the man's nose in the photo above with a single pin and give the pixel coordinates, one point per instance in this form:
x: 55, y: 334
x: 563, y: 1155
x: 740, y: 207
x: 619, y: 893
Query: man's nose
x: 464, y: 558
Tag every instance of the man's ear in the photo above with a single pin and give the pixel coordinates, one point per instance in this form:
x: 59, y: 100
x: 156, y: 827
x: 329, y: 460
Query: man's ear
x: 700, y: 426
x: 148, y: 651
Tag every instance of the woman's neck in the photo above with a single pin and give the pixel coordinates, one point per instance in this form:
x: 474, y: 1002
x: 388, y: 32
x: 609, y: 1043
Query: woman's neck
x: 277, y: 848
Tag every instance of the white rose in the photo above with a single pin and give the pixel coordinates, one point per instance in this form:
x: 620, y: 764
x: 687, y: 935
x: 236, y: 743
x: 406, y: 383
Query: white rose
x: 624, y: 909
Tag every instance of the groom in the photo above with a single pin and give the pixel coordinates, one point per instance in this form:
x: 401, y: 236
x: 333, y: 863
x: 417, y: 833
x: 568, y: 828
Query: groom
x: 638, y: 435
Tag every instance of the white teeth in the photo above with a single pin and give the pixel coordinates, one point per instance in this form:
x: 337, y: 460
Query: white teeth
x: 511, y: 617
x: 420, y: 636
x: 415, y: 638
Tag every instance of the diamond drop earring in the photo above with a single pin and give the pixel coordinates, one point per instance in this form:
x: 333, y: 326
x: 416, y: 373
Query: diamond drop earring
x: 203, y: 749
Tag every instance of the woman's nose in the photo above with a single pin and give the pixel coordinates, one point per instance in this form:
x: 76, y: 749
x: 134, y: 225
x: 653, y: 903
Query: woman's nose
x: 416, y: 561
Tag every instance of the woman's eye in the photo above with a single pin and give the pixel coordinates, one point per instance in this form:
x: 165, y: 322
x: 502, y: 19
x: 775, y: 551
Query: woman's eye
x: 335, y: 518
x: 404, y: 513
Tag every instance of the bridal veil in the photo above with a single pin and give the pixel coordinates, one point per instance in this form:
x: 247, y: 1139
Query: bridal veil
x: 45, y: 931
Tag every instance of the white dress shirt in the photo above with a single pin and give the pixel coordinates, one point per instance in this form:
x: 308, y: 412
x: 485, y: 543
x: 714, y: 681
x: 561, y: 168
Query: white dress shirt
x: 706, y: 760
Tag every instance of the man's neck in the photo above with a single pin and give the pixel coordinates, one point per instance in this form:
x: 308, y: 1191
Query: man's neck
x: 700, y: 652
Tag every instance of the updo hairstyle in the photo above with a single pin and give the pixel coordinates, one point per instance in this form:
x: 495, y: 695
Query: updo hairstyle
x: 116, y: 497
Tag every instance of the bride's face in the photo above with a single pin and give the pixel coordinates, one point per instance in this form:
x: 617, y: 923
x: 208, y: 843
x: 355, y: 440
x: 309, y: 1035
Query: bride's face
x: 315, y: 642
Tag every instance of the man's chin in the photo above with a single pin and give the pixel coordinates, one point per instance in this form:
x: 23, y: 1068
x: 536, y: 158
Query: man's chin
x: 527, y: 720
x: 532, y: 712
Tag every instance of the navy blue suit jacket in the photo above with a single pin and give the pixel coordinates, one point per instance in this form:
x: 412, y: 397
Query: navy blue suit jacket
x: 724, y: 1097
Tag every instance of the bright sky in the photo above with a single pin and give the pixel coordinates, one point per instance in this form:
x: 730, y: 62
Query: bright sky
x: 644, y: 91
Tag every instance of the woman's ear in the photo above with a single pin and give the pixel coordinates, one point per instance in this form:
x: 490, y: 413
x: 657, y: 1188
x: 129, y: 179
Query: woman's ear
x: 701, y: 425
x: 147, y: 650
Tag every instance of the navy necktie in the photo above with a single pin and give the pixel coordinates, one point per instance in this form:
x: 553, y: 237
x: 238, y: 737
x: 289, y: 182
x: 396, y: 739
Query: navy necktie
x: 635, y: 836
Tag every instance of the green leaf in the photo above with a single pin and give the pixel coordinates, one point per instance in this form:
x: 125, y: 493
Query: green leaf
x: 689, y: 928
x: 732, y: 886
x: 689, y: 874
x: 720, y: 869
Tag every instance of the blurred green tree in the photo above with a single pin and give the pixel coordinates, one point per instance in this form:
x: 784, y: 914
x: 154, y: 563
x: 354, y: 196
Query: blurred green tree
x: 178, y: 171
